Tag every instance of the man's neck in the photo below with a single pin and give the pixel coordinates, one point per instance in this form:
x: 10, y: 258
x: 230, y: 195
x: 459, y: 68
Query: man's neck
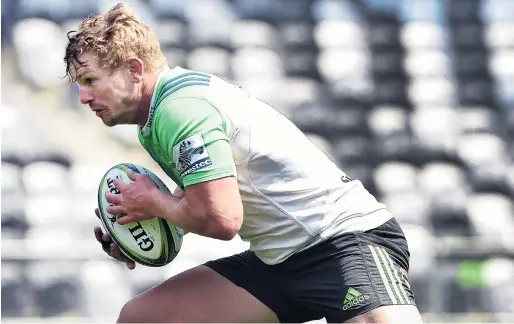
x: 146, y: 99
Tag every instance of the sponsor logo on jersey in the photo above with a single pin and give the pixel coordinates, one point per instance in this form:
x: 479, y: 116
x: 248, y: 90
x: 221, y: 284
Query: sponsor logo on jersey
x: 353, y: 298
x: 148, y: 126
x: 191, y: 155
x: 345, y: 178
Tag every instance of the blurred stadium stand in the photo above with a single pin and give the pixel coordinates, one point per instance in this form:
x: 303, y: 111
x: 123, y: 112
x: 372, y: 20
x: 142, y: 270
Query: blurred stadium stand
x: 415, y: 98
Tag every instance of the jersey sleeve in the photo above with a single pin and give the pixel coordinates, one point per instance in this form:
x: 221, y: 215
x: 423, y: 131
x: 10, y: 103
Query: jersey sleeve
x: 192, y: 134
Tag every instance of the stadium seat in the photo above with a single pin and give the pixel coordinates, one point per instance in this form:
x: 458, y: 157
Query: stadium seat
x: 274, y: 11
x: 105, y: 288
x: 431, y: 91
x: 210, y: 60
x: 481, y: 149
x: 342, y: 10
x: 448, y: 215
x: 463, y: 11
x: 57, y: 10
x: 422, y: 246
x: 395, y: 177
x: 423, y: 35
x: 357, y: 63
x: 385, y: 120
x: 467, y: 36
x: 408, y: 207
x: 435, y: 129
x: 476, y: 91
x: 384, y: 35
x: 17, y: 294
x: 12, y: 180
x: 499, y: 35
x: 172, y: 33
x: 301, y: 62
x: 425, y: 63
x: 57, y: 291
x: 44, y: 37
x: 324, y: 118
x: 471, y: 63
x: 257, y: 63
x: 424, y: 11
x: 491, y: 215
x: 176, y: 57
x: 504, y: 94
x: 144, y: 278
x: 479, y: 119
x: 298, y: 34
x: 496, y: 11
x: 390, y: 91
x: 169, y: 9
x: 14, y: 220
x: 254, y: 33
x: 267, y: 89
x: 491, y: 178
x: 338, y: 33
x: 352, y: 91
x: 49, y: 209
x: 501, y: 63
x: 353, y: 148
x: 498, y: 275
x: 45, y: 177
x: 296, y: 91
x: 438, y: 178
x: 387, y: 64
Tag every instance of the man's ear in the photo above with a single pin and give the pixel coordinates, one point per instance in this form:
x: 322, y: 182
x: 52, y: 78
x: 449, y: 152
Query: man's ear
x: 136, y: 69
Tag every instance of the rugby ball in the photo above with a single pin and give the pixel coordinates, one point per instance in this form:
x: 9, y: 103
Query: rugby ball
x: 154, y: 242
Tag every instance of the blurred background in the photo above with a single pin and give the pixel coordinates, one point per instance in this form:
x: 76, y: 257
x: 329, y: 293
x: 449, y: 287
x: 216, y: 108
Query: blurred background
x: 415, y: 98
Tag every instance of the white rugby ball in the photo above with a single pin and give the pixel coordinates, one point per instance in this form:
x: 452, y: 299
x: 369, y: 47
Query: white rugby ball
x: 154, y: 242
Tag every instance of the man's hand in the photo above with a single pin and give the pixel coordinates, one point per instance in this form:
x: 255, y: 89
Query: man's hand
x: 110, y: 247
x: 135, y: 201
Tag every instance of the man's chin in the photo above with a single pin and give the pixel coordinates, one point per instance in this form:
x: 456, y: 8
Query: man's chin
x: 109, y: 122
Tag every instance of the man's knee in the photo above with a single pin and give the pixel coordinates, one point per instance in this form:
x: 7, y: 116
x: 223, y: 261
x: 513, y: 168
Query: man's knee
x: 131, y: 312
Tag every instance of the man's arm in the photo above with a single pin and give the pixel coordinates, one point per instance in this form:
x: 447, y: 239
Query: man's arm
x: 211, y: 208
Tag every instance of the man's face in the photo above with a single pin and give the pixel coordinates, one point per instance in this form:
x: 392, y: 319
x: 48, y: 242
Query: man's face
x: 111, y: 94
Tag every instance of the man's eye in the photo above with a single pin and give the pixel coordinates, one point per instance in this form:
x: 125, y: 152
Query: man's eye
x: 88, y: 81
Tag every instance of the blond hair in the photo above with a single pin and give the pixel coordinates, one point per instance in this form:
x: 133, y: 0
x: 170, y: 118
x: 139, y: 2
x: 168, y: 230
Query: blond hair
x: 114, y: 37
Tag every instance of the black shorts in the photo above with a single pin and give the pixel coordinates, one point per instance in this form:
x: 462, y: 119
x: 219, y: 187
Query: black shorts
x: 337, y: 279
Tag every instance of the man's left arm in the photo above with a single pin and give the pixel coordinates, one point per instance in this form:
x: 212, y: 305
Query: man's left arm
x: 192, y: 133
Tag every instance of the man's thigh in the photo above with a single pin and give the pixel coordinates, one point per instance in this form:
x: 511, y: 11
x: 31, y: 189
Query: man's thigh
x: 390, y: 314
x: 196, y: 295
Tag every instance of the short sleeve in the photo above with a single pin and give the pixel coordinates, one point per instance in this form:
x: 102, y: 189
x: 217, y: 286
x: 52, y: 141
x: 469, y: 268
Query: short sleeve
x: 192, y: 134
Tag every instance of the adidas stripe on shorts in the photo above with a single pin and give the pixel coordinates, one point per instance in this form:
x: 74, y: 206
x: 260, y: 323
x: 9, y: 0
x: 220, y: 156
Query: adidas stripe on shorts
x: 337, y: 279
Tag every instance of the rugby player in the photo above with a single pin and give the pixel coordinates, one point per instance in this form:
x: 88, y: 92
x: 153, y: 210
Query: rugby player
x: 321, y: 246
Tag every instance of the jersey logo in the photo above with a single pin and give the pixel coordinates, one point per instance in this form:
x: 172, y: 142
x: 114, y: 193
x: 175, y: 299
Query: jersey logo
x: 191, y: 155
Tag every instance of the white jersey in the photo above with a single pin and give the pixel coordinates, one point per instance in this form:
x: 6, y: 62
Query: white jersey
x: 293, y: 195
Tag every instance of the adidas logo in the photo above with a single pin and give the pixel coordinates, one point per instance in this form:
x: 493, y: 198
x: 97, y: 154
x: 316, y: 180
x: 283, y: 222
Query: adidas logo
x: 353, y: 297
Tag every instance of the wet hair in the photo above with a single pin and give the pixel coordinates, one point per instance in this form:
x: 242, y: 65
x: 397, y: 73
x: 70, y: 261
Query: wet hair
x: 113, y: 37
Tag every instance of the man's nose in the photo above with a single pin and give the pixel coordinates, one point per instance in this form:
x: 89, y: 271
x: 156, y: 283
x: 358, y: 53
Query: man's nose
x: 85, y: 96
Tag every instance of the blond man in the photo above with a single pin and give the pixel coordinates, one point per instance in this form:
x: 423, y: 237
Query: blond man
x: 321, y: 246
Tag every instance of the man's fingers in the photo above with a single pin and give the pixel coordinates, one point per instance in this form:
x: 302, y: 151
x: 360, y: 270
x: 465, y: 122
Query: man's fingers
x: 113, y: 198
x: 124, y: 219
x: 132, y: 175
x: 120, y: 185
x: 98, y: 234
x: 97, y: 212
x: 115, y: 252
x: 115, y: 210
x: 130, y: 264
